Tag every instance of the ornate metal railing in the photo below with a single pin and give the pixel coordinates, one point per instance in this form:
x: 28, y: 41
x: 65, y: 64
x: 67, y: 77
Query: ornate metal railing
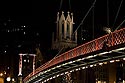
x: 112, y: 39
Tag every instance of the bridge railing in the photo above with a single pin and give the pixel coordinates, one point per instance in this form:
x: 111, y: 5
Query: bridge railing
x: 112, y: 39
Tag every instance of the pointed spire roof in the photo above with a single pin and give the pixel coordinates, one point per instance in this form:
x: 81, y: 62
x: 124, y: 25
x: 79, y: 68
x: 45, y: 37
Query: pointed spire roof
x: 68, y: 17
x: 62, y: 16
x: 57, y: 17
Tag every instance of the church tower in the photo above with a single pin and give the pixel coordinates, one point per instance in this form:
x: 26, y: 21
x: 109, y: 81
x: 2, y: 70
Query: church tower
x: 64, y: 37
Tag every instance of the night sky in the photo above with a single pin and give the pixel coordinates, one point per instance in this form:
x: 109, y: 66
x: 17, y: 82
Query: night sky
x: 26, y: 24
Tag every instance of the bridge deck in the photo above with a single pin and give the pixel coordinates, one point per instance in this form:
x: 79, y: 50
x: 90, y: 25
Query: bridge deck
x: 110, y: 42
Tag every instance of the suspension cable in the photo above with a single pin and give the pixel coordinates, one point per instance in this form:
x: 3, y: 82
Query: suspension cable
x: 107, y: 13
x: 69, y: 5
x: 60, y: 4
x: 117, y: 12
x: 120, y: 24
x: 55, y: 56
x: 115, y: 21
x: 85, y: 17
x: 93, y: 18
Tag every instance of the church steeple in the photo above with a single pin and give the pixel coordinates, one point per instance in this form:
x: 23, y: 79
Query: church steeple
x: 64, y: 31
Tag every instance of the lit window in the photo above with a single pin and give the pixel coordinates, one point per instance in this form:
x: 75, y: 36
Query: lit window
x: 25, y: 60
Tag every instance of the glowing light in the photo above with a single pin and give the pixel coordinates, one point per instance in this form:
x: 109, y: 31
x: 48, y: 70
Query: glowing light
x: 62, y: 74
x: 4, y: 72
x: 24, y: 33
x: 8, y: 31
x: 111, y: 61
x: 8, y: 67
x: 100, y: 63
x: 19, y: 45
x: 25, y: 60
x: 103, y: 53
x: 77, y: 69
x: 105, y: 62
x: 23, y: 26
x: 66, y: 72
x: 13, y: 79
x: 71, y: 71
x: 50, y: 78
x: 83, y: 67
x: 117, y: 60
x: 91, y: 65
x: 123, y: 81
x: 95, y: 64
x: 44, y: 80
x: 54, y: 77
x: 86, y: 66
x: 8, y: 79
x: 5, y: 51
x: 58, y: 75
x: 28, y: 60
x: 1, y: 74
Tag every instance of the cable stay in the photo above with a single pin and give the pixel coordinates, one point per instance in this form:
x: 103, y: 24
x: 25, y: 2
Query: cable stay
x: 111, y: 32
x: 114, y: 20
x: 117, y: 14
x: 60, y: 9
x: 69, y: 5
x: 85, y: 17
x: 54, y: 57
x: 107, y: 13
x: 120, y: 24
x: 60, y: 5
x: 61, y: 2
x: 93, y: 18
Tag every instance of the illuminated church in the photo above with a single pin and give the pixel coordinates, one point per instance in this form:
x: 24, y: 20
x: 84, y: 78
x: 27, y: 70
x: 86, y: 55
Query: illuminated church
x: 64, y: 37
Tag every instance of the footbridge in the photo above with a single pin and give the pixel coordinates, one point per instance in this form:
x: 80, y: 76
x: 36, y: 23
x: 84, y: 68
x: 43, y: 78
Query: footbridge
x: 108, y: 48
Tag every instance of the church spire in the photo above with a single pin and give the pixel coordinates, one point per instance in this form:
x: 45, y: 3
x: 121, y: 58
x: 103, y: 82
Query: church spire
x: 64, y: 37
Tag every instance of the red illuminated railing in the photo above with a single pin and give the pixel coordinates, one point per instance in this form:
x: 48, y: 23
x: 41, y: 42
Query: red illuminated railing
x: 115, y: 38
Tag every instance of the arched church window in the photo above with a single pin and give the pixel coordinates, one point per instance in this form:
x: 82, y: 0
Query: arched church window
x: 68, y: 30
x: 63, y: 30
